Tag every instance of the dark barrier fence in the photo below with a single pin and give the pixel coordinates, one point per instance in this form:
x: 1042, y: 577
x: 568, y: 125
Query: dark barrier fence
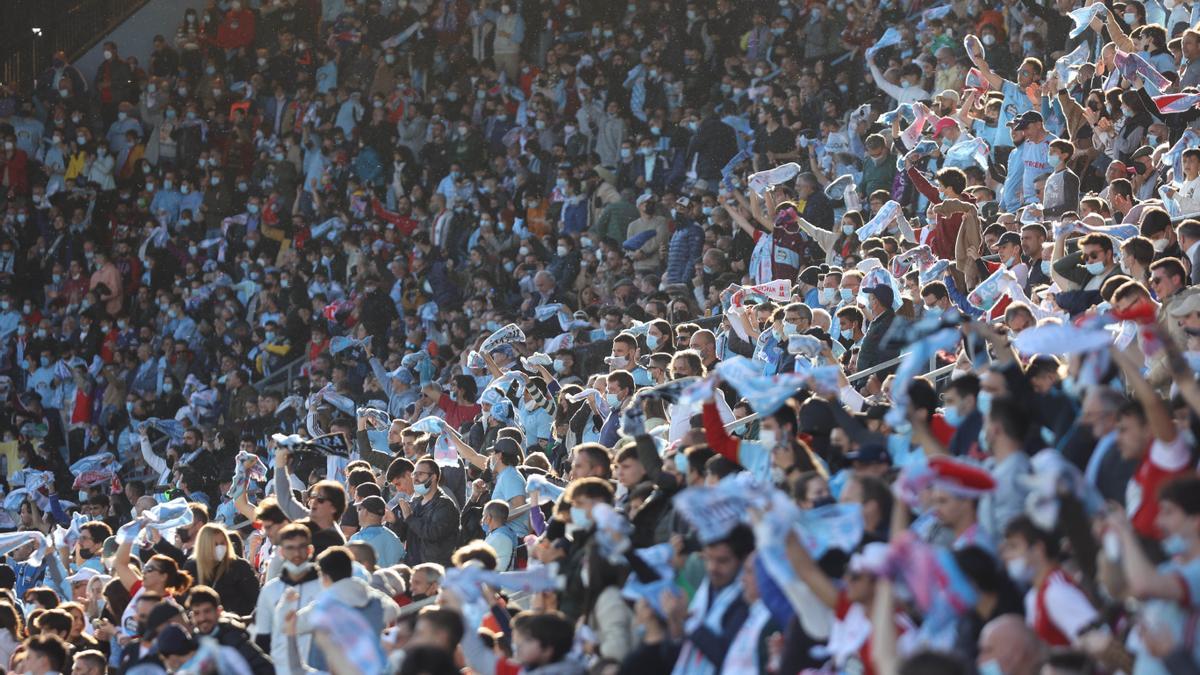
x: 33, y: 30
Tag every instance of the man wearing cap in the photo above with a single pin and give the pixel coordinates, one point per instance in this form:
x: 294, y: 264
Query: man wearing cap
x: 881, y: 314
x: 1008, y: 256
x: 387, y: 546
x: 808, y: 283
x: 647, y: 257
x: 1035, y: 152
x: 947, y: 132
x: 686, y: 244
x: 957, y: 487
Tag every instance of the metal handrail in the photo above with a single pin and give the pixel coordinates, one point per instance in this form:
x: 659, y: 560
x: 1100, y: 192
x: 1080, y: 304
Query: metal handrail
x: 42, y: 29
x: 274, y: 376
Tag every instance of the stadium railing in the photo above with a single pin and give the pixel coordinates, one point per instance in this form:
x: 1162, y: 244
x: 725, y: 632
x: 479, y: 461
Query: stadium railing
x: 71, y: 26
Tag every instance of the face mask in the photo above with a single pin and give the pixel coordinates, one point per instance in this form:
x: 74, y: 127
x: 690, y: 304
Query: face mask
x: 1094, y: 268
x: 168, y: 387
x: 612, y: 400
x: 847, y: 294
x: 626, y: 153
x: 984, y: 402
x: 421, y: 489
x: 1161, y: 245
x: 580, y: 518
x: 1174, y: 545
x: 989, y: 39
x: 1055, y: 161
x: 652, y: 341
x: 219, y: 551
x: 618, y: 361
x: 768, y: 438
x: 848, y: 230
x: 1130, y: 18
x: 561, y: 251
x: 294, y: 570
x: 1152, y: 140
x: 952, y: 417
x: 1018, y: 569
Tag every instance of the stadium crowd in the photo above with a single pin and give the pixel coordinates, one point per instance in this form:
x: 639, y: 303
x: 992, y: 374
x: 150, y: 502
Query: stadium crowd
x: 497, y: 337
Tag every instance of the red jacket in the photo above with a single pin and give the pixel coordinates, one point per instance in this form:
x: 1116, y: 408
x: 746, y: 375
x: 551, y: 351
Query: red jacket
x: 236, y: 29
x: 14, y: 172
x: 945, y: 228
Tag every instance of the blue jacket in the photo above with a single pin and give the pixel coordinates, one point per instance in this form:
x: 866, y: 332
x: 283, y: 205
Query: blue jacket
x: 683, y: 252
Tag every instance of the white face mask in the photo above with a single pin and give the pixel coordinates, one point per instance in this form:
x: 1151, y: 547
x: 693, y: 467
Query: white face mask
x: 768, y: 438
x: 219, y: 551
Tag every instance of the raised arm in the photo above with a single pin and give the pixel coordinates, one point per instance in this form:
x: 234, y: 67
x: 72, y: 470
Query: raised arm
x: 1118, y: 35
x: 979, y: 59
x: 128, y: 575
x: 1157, y: 414
x: 283, y: 487
x: 824, y: 238
x: 466, y: 451
x: 151, y: 458
x: 809, y: 572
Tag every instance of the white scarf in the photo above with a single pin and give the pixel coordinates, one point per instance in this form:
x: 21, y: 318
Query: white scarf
x: 691, y: 660
x: 742, y: 656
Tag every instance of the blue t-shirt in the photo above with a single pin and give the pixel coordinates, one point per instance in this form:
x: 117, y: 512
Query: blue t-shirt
x: 536, y: 423
x: 510, y: 484
x: 1015, y: 102
x: 1035, y: 160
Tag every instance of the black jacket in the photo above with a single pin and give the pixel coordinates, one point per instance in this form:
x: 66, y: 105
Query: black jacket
x: 432, y: 530
x: 230, y: 633
x: 872, y: 352
x: 238, y: 586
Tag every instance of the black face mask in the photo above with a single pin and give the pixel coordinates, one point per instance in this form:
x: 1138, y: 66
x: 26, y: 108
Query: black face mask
x: 823, y: 501
x: 86, y: 555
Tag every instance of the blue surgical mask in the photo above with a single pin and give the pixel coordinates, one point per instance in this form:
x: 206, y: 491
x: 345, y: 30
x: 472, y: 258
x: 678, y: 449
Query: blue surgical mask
x: 483, y: 525
x: 984, y: 402
x: 681, y: 463
x: 580, y: 517
x: 1174, y: 545
x: 651, y: 341
x: 1055, y: 161
x: 847, y: 294
x: 990, y: 667
x: 1094, y: 268
x: 612, y: 400
x: 421, y: 489
x: 953, y: 417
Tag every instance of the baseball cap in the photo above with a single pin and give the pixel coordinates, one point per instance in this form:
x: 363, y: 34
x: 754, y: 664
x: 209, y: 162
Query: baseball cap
x: 883, y: 293
x: 1011, y: 238
x: 644, y: 197
x: 161, y: 614
x: 175, y: 640
x: 960, y: 478
x: 1186, y: 306
x: 1144, y: 151
x: 372, y: 504
x: 871, y: 453
x: 1025, y: 119
x: 84, y: 574
x: 942, y: 125
x: 870, y: 559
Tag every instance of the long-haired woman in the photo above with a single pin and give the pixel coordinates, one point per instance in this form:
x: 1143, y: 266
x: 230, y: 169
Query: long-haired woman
x: 215, y: 563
